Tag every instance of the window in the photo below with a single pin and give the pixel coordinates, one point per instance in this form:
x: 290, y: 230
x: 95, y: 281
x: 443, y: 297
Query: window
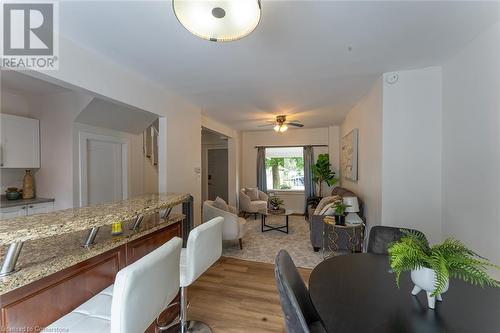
x: 285, y: 168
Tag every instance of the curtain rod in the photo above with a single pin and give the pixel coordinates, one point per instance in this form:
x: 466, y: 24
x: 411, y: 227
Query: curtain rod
x: 290, y: 146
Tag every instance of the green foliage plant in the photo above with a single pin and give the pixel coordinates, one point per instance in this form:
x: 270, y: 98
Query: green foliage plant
x: 448, y: 259
x: 322, y: 173
x: 276, y: 202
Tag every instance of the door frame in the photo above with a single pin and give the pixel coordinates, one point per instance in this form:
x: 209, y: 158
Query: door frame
x: 83, y: 139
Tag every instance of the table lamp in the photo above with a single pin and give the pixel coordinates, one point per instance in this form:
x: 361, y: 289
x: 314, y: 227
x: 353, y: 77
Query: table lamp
x: 352, y: 210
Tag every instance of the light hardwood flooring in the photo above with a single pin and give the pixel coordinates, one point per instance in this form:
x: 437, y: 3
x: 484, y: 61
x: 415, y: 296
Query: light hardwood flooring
x: 238, y: 296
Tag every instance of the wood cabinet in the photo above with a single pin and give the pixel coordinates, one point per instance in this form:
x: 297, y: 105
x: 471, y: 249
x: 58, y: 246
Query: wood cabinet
x: 24, y: 210
x: 19, y: 142
x: 46, y: 300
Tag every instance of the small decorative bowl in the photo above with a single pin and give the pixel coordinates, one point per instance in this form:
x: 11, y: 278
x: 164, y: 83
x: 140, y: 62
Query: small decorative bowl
x: 13, y: 195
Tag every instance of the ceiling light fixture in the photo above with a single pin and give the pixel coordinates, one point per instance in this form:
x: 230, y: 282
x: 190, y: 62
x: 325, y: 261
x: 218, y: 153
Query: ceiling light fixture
x: 280, y: 128
x: 218, y: 20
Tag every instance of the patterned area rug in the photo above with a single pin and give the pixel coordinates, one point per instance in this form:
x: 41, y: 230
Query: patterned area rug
x: 263, y: 246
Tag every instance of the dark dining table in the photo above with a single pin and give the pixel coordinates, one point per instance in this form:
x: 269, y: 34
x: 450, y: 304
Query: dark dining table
x: 357, y: 293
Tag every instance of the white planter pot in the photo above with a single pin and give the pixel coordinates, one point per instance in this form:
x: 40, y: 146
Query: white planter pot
x: 425, y: 279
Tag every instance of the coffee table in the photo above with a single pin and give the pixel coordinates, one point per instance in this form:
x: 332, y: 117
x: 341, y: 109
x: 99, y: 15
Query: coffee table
x: 282, y: 228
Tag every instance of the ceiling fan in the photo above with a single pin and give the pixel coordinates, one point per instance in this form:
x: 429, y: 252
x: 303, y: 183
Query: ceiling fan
x: 281, y: 124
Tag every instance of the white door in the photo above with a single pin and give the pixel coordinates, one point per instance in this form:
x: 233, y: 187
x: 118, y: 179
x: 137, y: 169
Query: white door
x: 217, y: 174
x: 104, y: 172
x: 19, y: 142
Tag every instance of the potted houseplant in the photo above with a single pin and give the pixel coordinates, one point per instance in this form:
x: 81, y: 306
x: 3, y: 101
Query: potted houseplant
x: 322, y: 173
x: 432, y: 266
x: 340, y: 208
x: 275, y: 203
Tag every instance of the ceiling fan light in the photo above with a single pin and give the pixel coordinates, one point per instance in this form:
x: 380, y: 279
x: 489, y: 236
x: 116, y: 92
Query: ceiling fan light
x: 218, y: 20
x: 283, y: 128
x: 277, y: 128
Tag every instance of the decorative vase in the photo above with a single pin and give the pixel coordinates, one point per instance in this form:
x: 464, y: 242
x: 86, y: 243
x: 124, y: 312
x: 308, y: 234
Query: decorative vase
x: 28, y: 186
x: 425, y: 279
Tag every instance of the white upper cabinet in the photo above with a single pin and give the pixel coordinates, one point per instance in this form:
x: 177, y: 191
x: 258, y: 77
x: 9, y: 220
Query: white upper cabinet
x: 19, y: 142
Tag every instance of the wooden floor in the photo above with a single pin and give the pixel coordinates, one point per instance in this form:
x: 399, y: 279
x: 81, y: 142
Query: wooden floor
x: 238, y: 296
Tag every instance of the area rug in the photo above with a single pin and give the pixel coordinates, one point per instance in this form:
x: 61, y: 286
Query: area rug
x: 263, y: 246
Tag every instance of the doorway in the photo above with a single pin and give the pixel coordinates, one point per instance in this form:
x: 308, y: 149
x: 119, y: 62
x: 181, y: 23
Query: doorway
x: 214, y: 165
x: 103, y: 169
x: 217, y: 173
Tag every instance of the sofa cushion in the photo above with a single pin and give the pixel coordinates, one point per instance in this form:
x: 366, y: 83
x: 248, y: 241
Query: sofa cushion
x: 252, y: 193
x: 220, y: 203
x: 325, y: 201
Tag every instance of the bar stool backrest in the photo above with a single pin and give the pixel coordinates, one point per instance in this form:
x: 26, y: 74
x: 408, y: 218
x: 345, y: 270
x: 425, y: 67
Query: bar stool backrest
x: 204, y: 248
x: 143, y: 289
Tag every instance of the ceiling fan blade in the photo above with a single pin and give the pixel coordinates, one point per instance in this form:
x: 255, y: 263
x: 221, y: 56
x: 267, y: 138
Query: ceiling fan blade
x: 266, y: 125
x: 295, y: 124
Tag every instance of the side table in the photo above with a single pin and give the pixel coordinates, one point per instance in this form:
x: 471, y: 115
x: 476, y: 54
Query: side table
x: 348, y: 237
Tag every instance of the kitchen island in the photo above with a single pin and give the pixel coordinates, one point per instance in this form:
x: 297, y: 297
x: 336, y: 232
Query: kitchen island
x: 71, y: 255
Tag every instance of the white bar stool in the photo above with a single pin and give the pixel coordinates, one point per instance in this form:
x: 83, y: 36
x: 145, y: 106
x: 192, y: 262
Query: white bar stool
x: 140, y: 293
x: 204, y: 248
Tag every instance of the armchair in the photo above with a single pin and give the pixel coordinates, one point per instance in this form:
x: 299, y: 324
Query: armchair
x: 233, y: 227
x: 255, y: 207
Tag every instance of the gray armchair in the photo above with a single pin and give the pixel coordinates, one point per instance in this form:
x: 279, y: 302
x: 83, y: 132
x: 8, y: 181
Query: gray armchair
x: 255, y: 207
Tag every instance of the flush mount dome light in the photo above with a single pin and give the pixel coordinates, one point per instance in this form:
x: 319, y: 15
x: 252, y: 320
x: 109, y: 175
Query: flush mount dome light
x: 218, y: 20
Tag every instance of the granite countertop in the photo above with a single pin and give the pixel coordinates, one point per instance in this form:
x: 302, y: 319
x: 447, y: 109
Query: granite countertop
x: 41, y: 258
x: 39, y: 226
x: 4, y: 203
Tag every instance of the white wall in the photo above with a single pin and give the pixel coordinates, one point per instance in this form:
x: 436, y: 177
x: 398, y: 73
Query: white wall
x: 305, y: 136
x: 56, y: 113
x: 367, y: 117
x: 471, y: 145
x: 411, y: 153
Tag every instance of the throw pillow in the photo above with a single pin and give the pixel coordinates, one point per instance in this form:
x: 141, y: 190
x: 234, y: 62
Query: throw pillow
x: 253, y: 193
x: 328, y: 207
x: 220, y: 203
x: 325, y: 201
x: 330, y: 211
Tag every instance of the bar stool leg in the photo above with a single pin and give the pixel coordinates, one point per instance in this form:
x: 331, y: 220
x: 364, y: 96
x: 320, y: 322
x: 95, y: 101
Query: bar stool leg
x: 191, y: 326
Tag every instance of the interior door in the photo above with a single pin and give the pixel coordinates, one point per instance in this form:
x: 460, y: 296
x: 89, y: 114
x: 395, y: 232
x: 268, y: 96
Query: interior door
x: 217, y: 174
x: 104, y: 172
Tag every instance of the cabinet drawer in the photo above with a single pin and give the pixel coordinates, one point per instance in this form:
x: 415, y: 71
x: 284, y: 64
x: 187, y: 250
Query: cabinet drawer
x: 11, y: 212
x: 46, y: 207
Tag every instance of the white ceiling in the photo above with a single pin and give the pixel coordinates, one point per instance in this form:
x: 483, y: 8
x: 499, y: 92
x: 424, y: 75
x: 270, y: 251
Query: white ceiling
x: 297, y: 61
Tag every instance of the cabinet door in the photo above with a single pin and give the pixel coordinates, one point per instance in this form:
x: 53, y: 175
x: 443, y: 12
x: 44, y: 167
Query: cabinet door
x: 19, y: 142
x: 40, y: 208
x: 11, y: 212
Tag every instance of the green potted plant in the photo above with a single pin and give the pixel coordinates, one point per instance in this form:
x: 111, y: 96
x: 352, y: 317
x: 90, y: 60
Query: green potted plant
x: 275, y: 203
x: 322, y: 173
x: 340, y: 208
x: 432, y: 266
